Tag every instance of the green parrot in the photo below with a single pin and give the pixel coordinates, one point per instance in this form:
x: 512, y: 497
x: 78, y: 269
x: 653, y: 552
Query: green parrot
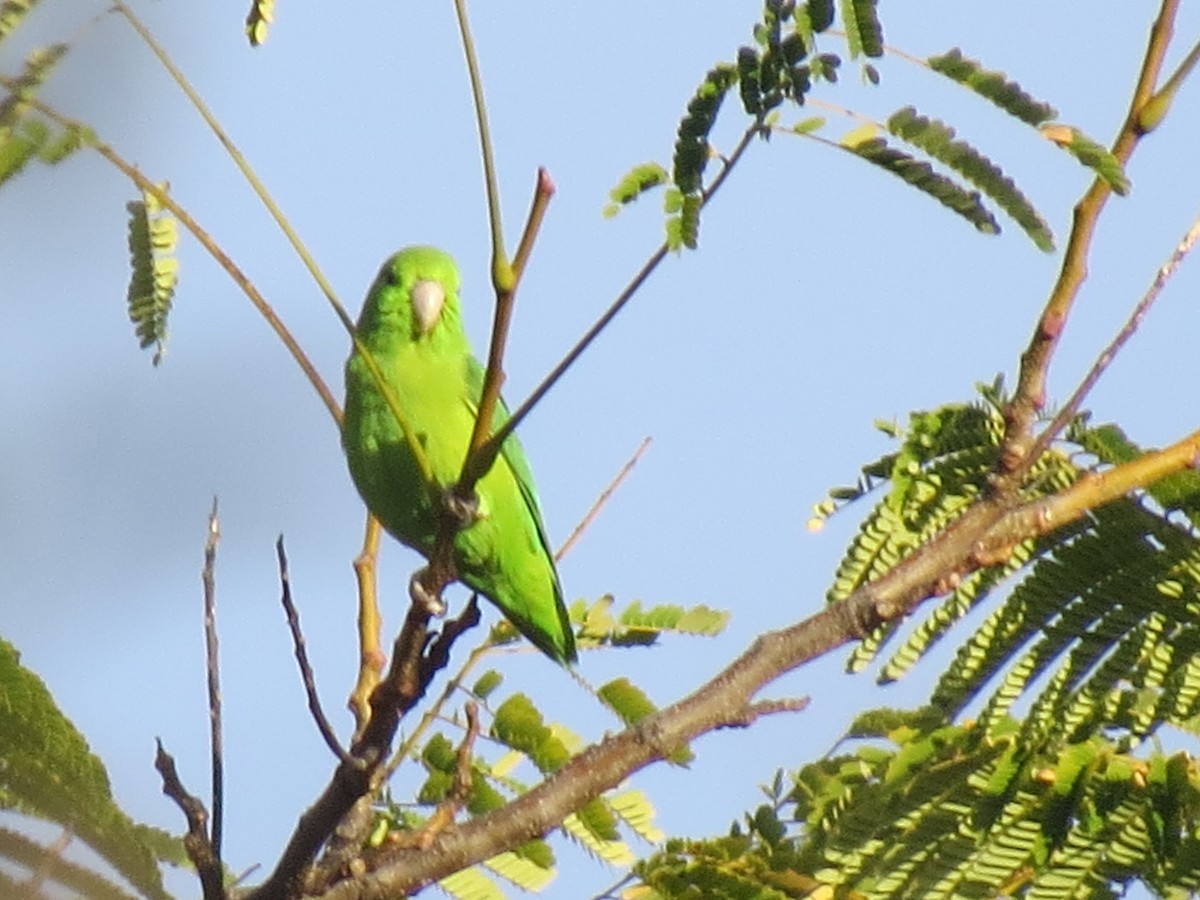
x: 412, y: 326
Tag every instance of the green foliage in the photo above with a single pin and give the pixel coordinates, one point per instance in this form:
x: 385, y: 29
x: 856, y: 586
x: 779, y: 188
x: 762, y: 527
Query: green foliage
x: 995, y: 86
x: 783, y: 65
x: 597, y: 828
x: 48, y: 772
x: 1102, y: 627
x: 486, y: 683
x: 691, y: 157
x: 937, y: 139
x: 920, y: 175
x: 635, y: 182
x: 153, y: 234
x: 638, y: 627
x: 519, y: 725
x: 921, y: 808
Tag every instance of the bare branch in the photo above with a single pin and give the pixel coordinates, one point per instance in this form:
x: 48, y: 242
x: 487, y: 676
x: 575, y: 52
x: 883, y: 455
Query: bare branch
x: 199, y: 848
x: 213, y: 669
x: 603, y: 499
x: 1105, y: 359
x: 301, y: 651
x: 1030, y: 397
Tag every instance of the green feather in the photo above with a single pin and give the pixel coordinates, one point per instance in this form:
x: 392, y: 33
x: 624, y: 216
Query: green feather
x: 437, y: 382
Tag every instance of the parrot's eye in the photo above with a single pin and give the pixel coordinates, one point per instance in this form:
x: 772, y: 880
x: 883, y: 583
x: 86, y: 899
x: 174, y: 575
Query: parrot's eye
x: 428, y: 298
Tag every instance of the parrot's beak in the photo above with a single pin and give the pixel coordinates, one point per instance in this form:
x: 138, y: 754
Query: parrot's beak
x: 428, y: 298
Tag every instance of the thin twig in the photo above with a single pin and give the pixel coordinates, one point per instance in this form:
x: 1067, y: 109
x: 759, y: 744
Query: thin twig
x: 195, y: 842
x: 499, y: 262
x: 1104, y: 360
x: 587, y: 520
x: 478, y: 460
x: 213, y: 669
x: 301, y: 651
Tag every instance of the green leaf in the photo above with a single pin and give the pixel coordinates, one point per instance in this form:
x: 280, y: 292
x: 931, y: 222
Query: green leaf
x: 937, y: 139
x: 519, y: 725
x: 995, y: 86
x: 636, y: 811
x: 633, y: 184
x: 520, y: 870
x: 153, y: 234
x: 864, y: 34
x: 487, y: 683
x: 921, y: 176
x: 47, y: 771
x: 595, y: 829
x: 692, y: 153
x: 1095, y: 156
x: 626, y: 699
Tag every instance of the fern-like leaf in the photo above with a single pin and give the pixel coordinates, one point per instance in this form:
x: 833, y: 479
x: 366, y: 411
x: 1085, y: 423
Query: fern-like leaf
x: 47, y: 771
x: 692, y: 153
x: 937, y: 139
x: 637, y: 812
x: 995, y: 86
x: 153, y: 234
x: 941, y: 811
x: 921, y: 176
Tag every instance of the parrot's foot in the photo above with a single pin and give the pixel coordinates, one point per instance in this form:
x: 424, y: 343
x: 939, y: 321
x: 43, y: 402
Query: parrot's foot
x: 420, y: 594
x: 463, y: 511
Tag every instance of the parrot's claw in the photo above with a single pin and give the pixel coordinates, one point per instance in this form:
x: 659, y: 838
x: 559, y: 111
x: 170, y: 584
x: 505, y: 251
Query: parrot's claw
x: 433, y: 603
x: 464, y: 511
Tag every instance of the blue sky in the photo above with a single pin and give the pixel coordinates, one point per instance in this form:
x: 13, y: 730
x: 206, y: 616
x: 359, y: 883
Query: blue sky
x: 825, y: 294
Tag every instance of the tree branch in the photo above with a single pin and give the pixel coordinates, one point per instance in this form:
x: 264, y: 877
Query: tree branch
x: 1017, y: 454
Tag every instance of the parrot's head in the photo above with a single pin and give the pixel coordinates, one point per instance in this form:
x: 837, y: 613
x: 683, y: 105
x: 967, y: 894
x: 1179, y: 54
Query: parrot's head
x: 415, y: 293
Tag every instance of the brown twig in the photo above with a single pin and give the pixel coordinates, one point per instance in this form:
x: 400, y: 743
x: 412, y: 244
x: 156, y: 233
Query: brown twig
x: 213, y: 669
x: 300, y: 649
x: 196, y: 842
x: 603, y: 499
x: 478, y: 460
x: 1030, y: 395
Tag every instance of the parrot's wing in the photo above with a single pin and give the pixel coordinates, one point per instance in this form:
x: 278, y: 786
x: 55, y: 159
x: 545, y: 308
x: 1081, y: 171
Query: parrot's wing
x: 512, y: 452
